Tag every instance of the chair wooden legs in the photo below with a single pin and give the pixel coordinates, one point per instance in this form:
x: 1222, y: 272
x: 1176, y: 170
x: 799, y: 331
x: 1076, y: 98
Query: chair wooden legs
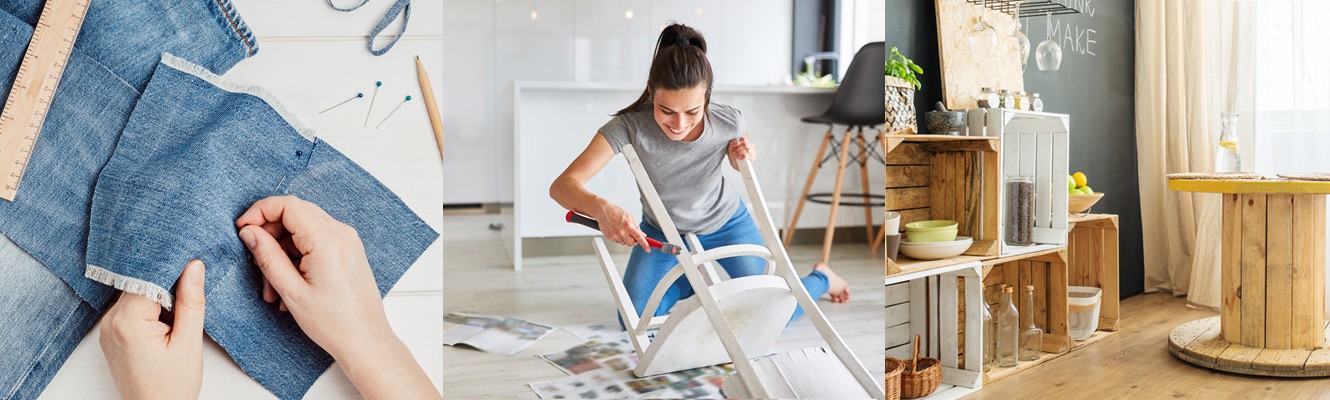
x: 881, y: 238
x: 863, y: 178
x: 835, y: 197
x: 812, y: 173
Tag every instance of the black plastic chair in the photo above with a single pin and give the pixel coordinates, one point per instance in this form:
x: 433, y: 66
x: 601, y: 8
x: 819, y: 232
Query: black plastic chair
x: 859, y: 103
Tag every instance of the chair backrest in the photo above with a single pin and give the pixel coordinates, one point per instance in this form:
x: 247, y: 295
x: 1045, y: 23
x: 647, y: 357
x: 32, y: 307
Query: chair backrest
x: 859, y: 99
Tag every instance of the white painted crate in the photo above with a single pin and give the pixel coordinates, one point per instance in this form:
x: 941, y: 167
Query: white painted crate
x: 1034, y: 144
x: 934, y: 303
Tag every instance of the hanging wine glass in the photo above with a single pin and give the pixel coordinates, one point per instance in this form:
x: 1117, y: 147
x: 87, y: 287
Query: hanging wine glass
x: 983, y: 38
x: 1018, y: 42
x: 1049, y: 53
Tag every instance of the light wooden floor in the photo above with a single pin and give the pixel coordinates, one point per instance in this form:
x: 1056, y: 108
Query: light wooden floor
x: 570, y: 290
x: 1136, y: 364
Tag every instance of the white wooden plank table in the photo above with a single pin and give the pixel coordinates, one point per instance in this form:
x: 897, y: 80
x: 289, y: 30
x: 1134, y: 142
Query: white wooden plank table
x: 311, y: 57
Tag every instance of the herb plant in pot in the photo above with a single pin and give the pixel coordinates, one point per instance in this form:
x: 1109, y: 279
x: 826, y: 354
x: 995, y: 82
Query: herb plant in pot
x: 901, y: 83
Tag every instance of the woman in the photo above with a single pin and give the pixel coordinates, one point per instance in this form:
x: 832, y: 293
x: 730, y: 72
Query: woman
x: 683, y: 140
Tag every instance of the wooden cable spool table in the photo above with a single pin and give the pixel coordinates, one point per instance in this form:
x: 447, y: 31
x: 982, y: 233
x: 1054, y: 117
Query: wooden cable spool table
x: 1272, y: 321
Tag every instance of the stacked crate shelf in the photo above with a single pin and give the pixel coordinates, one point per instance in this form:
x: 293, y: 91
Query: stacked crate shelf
x: 960, y: 178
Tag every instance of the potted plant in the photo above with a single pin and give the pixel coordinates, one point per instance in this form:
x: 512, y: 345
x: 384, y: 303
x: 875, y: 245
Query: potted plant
x: 901, y: 82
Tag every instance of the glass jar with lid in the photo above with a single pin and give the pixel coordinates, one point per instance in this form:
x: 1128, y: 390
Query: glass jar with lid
x: 1036, y: 104
x: 1019, y: 197
x: 1004, y: 99
x: 1020, y: 101
x: 987, y: 98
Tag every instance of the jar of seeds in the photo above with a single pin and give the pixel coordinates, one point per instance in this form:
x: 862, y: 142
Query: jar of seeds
x: 1020, y: 211
x: 987, y: 98
x: 1036, y: 104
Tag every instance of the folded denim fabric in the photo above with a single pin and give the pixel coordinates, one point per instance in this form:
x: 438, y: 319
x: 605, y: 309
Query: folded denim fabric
x: 44, y: 321
x: 49, y: 216
x: 129, y: 36
x: 196, y: 153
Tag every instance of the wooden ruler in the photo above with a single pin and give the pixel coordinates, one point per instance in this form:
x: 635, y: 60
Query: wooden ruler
x: 34, y: 87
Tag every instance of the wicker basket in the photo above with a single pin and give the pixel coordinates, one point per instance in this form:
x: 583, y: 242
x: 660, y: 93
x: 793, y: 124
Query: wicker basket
x: 901, y: 118
x: 921, y: 376
x: 893, y: 384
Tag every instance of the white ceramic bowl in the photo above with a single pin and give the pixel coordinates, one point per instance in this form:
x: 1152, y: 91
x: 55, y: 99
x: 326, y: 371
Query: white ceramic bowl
x: 936, y: 250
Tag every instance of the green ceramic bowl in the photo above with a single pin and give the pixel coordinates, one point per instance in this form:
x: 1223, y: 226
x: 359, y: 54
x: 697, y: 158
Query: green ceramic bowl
x: 931, y: 231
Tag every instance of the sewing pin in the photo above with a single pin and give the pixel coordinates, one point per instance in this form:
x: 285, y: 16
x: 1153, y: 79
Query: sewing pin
x: 390, y: 113
x: 371, y: 101
x: 357, y: 96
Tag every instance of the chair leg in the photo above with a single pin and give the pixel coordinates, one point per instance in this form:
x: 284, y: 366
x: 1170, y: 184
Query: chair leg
x: 881, y: 239
x: 812, y: 173
x: 835, y: 197
x: 863, y: 178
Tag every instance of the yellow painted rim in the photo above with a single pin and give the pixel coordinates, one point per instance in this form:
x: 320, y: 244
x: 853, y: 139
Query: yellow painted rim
x: 1249, y: 186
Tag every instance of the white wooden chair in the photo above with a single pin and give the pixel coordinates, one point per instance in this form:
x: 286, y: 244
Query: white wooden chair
x: 736, y: 319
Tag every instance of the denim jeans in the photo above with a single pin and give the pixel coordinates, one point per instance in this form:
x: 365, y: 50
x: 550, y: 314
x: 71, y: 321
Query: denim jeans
x: 44, y: 321
x: 197, y: 152
x: 645, y: 270
x: 118, y: 52
x: 49, y: 216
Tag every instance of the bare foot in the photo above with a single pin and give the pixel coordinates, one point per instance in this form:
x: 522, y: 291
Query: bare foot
x: 838, y: 288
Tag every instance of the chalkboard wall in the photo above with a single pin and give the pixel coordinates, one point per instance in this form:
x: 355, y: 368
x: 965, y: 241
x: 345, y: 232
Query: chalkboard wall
x: 1094, y: 85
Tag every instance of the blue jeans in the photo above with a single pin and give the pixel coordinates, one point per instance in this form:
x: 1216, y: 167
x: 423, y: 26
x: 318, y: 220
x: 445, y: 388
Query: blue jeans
x: 645, y: 270
x: 194, y: 153
x: 43, y: 321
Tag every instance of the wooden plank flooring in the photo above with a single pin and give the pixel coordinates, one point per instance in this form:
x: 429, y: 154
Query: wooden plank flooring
x: 1136, y: 364
x: 570, y: 290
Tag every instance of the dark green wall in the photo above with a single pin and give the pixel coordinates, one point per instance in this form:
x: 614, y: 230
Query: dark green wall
x: 1096, y: 90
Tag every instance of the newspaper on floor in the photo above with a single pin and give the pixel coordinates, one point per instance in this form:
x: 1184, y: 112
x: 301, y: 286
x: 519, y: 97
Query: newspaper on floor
x: 698, y: 383
x: 603, y: 370
x: 602, y: 331
x: 498, y: 335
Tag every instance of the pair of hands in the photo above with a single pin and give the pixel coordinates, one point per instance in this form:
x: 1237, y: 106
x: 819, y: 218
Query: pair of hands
x: 620, y: 227
x: 314, y: 266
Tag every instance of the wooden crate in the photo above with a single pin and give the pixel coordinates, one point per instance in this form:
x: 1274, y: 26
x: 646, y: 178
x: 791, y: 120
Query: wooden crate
x: 1048, y: 274
x: 946, y: 177
x: 1035, y: 145
x: 927, y: 304
x: 1092, y: 260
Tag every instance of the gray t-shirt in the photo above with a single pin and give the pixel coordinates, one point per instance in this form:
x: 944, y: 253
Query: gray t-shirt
x: 687, y: 175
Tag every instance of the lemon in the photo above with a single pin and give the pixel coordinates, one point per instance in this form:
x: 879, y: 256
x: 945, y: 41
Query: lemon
x: 1229, y: 144
x: 1080, y: 178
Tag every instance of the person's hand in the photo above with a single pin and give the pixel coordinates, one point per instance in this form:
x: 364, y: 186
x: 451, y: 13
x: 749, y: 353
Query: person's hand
x: 740, y: 149
x: 148, y: 358
x: 620, y: 227
x: 316, y: 268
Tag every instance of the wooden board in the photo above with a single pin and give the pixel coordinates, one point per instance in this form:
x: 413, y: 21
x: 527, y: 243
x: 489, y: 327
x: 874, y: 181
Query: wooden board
x: 1252, y: 289
x: 1231, y: 274
x: 1199, y: 342
x: 1278, y: 271
x: 963, y: 71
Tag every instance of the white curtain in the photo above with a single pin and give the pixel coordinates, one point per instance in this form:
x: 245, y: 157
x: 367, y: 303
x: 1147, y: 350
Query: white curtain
x: 1292, y: 112
x: 1188, y: 71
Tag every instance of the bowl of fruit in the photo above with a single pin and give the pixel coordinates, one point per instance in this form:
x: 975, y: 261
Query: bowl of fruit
x: 1080, y: 197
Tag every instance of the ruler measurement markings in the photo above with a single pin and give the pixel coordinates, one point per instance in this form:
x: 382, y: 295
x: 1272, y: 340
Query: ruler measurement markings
x: 34, y: 87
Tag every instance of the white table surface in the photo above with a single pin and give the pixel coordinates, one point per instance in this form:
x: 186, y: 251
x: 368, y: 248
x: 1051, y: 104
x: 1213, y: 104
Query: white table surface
x: 311, y: 57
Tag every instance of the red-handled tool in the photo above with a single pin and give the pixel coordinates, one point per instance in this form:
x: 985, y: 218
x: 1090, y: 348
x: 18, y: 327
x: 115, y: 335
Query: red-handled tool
x: 576, y: 218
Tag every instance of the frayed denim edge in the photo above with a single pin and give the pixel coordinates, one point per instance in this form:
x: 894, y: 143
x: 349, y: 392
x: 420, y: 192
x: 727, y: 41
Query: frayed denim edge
x: 130, y: 285
x: 262, y: 94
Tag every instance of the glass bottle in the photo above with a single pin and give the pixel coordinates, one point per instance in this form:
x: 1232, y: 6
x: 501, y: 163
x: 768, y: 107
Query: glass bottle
x: 1032, y: 338
x: 1007, y: 325
x: 1036, y: 104
x: 990, y: 354
x: 1019, y: 98
x: 1226, y: 155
